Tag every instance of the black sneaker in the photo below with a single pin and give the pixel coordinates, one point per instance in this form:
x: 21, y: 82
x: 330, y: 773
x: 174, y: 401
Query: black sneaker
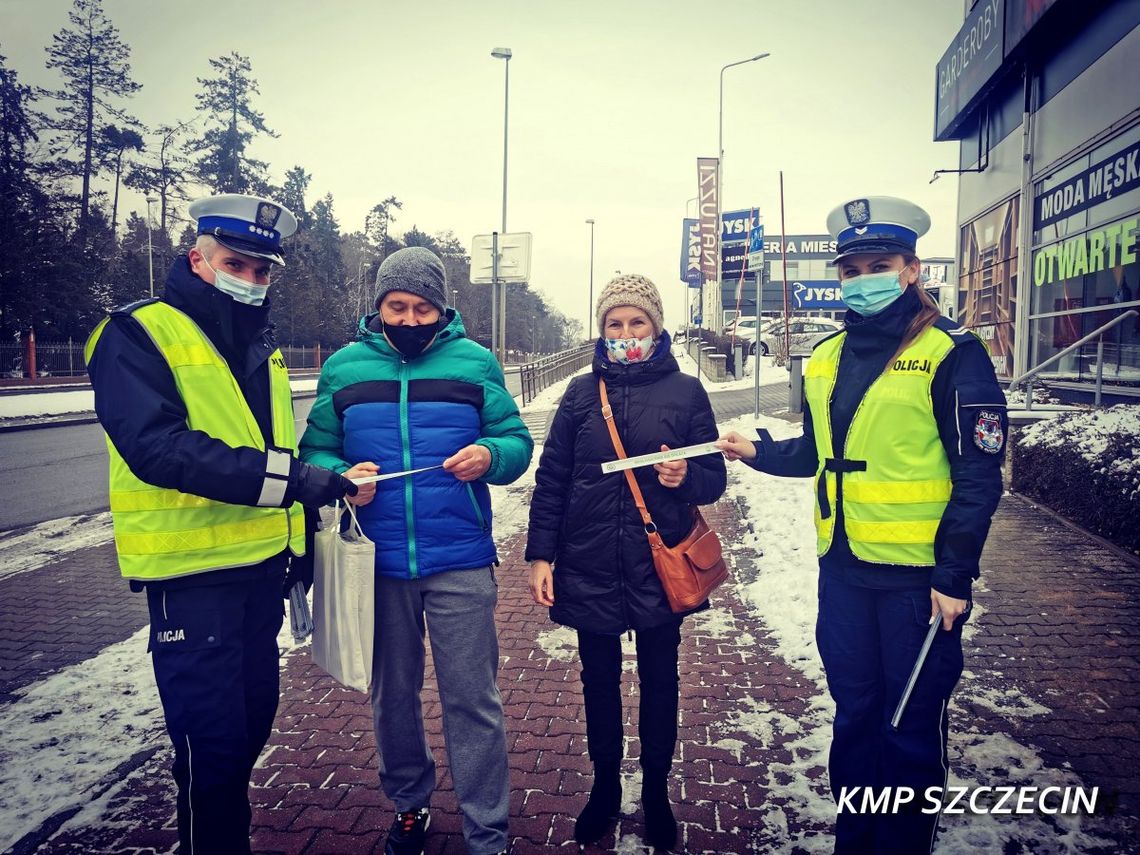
x: 407, y: 834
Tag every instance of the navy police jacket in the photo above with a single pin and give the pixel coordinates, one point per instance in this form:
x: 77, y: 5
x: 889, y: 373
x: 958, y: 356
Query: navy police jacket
x: 142, y: 411
x: 965, y: 396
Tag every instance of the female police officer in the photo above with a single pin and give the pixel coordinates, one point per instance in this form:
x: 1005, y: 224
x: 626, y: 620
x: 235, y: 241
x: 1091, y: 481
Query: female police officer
x: 904, y: 432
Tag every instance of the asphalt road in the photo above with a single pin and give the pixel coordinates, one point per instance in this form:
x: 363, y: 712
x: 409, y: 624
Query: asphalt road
x: 56, y: 472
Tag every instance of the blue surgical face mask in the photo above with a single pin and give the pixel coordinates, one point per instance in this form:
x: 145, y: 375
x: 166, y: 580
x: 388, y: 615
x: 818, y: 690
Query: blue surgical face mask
x: 629, y: 350
x: 870, y: 293
x: 239, y: 289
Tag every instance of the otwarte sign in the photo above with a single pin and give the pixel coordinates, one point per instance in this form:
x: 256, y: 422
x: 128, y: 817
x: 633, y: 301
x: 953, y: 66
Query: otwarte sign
x: 1093, y: 251
x: 708, y: 197
x: 1118, y: 173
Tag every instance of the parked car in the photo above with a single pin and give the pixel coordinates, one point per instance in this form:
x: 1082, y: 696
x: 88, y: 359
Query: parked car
x: 745, y: 329
x: 803, y: 333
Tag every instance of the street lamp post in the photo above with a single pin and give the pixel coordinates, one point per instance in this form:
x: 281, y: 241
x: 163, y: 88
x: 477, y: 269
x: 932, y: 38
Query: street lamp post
x: 590, y: 305
x: 499, y: 290
x: 719, y: 166
x: 150, y: 200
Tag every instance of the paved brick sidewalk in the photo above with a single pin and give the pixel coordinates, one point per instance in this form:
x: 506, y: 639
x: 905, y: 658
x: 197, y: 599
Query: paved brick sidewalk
x: 316, y: 791
x: 1053, y: 661
x: 63, y: 614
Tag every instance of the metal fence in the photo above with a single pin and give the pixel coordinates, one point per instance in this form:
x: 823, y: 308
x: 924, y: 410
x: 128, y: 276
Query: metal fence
x: 65, y: 358
x: 53, y: 359
x: 536, y: 376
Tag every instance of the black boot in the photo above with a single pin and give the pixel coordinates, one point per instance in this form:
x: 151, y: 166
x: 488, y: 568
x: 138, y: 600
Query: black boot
x: 603, y: 805
x: 660, y: 826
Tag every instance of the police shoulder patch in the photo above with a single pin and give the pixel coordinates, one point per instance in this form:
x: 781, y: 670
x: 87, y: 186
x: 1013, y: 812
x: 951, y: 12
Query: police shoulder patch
x: 988, y: 434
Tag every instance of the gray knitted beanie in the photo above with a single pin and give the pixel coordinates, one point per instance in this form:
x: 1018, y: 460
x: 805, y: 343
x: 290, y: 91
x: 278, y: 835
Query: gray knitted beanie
x: 631, y: 289
x: 416, y: 270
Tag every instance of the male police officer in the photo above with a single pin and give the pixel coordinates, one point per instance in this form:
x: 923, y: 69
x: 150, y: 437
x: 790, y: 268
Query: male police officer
x: 206, y: 493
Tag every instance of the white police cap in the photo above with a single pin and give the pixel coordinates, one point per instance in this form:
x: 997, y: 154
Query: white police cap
x: 250, y: 225
x: 877, y: 224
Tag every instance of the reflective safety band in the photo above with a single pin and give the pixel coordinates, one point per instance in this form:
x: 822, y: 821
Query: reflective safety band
x: 277, y: 465
x: 917, y: 531
x: 156, y: 500
x: 188, y: 354
x: 272, y: 492
x: 224, y: 534
x: 897, y: 492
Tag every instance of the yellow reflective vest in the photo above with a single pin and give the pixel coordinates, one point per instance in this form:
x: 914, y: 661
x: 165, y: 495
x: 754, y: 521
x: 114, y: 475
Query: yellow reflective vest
x: 890, y: 473
x: 162, y: 533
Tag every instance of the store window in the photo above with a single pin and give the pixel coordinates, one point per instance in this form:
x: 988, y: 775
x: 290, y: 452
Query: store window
x: 1079, y: 285
x: 987, y: 286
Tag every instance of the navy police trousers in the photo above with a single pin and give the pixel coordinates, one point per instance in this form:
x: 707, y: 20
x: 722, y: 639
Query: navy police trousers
x: 869, y: 640
x: 214, y: 648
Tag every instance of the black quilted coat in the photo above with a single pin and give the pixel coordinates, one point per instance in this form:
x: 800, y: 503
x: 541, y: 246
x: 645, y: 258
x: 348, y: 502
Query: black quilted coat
x: 586, y: 523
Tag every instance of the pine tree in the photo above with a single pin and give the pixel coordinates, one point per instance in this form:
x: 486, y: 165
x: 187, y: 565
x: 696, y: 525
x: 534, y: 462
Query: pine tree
x: 165, y: 174
x: 378, y: 222
x: 94, y: 63
x: 226, y: 101
x: 114, y: 144
x: 27, y: 228
x: 293, y: 195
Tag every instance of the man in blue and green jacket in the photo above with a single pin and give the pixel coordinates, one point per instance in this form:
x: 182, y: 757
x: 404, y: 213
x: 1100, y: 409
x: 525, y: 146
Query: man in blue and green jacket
x: 412, y: 392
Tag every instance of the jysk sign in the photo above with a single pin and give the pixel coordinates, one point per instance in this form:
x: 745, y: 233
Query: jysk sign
x: 816, y: 294
x: 691, y: 252
x: 1118, y: 173
x: 971, y: 62
x: 735, y: 225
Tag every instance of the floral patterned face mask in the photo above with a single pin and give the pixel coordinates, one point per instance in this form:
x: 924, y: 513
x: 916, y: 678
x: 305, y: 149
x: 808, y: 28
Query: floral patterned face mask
x: 629, y: 350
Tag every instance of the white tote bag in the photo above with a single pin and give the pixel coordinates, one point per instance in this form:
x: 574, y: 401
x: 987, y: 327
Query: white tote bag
x: 344, y: 584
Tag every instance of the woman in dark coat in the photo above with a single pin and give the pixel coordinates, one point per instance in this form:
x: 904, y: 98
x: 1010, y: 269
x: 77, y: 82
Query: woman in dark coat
x: 590, y: 559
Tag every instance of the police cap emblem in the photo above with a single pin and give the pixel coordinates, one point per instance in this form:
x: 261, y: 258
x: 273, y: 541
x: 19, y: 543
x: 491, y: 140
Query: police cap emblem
x: 267, y: 214
x: 858, y: 212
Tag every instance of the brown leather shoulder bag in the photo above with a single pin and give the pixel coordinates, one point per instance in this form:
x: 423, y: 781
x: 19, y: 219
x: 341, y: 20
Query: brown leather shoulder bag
x: 690, y: 570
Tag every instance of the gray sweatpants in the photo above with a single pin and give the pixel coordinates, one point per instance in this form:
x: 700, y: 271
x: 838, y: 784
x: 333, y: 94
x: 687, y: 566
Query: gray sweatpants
x: 459, y: 609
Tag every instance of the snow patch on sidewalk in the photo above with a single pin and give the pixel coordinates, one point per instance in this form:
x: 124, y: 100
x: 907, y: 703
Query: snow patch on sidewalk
x: 783, y: 594
x: 29, y: 548
x: 65, y: 734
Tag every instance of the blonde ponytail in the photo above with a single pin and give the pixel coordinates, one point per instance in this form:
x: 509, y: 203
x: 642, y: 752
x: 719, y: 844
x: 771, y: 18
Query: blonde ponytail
x: 923, y: 321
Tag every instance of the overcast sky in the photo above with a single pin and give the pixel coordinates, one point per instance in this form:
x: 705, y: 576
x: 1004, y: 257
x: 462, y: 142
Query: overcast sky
x: 611, y: 103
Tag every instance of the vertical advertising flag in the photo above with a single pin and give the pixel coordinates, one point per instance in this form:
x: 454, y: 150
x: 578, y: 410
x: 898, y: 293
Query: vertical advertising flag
x: 691, y: 252
x: 708, y: 190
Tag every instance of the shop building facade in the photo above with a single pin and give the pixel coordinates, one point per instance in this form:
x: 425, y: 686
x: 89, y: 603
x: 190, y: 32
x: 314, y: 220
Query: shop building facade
x: 1044, y: 97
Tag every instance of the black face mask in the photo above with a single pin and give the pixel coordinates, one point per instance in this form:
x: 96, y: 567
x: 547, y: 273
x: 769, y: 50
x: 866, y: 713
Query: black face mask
x: 410, y: 341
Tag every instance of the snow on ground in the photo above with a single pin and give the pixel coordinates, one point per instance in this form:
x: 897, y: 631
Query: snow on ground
x: 783, y: 594
x: 1089, y: 431
x: 770, y: 373
x: 65, y: 735
x: 83, y: 401
x: 29, y: 548
x: 549, y: 397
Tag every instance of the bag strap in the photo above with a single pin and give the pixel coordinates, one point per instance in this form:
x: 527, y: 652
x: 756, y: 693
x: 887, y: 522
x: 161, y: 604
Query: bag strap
x: 638, y: 499
x: 339, y: 510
